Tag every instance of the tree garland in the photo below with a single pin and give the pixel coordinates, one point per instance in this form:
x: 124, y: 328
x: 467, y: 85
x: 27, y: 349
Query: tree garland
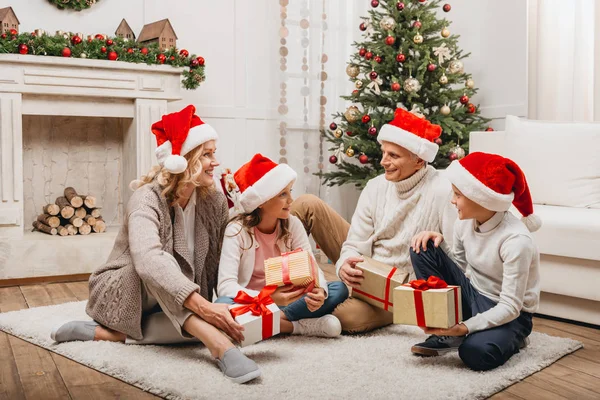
x: 99, y: 47
x: 76, y: 5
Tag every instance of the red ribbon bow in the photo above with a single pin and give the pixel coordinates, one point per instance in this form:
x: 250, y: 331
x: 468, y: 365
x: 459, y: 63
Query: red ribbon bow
x: 433, y: 282
x: 257, y: 306
x: 421, y: 285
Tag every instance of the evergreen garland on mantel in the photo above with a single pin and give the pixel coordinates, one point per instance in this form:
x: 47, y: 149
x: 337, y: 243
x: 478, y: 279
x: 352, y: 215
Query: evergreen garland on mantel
x: 76, y: 5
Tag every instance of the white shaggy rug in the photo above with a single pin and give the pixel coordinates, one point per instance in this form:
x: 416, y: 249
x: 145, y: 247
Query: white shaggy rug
x: 374, y: 366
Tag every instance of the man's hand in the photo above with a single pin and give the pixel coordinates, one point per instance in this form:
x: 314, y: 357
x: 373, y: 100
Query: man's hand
x: 456, y: 330
x: 349, y: 274
x: 419, y: 241
x: 285, y: 295
x: 315, y: 299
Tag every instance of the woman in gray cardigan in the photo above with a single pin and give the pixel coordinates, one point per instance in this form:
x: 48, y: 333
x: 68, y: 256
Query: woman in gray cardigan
x: 157, y: 285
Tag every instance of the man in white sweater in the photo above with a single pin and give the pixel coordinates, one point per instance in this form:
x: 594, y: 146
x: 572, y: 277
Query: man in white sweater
x: 410, y: 197
x: 493, y: 259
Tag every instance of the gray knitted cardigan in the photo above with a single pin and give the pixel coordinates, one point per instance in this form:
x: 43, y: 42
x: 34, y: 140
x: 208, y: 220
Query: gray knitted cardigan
x: 151, y: 247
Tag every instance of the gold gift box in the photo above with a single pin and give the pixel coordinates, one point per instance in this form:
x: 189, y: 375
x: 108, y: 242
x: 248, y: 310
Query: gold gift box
x: 302, y: 267
x: 433, y: 308
x: 379, y: 279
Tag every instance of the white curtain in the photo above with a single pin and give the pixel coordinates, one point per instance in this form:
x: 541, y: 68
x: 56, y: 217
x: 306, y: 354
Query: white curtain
x: 314, y: 44
x: 564, y: 60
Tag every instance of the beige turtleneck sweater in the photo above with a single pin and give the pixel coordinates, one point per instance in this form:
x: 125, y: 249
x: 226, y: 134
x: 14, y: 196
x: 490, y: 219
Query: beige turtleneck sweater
x: 389, y: 214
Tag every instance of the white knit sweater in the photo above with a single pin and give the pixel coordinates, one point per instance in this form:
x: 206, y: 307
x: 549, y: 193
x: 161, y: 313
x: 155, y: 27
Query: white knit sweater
x: 389, y: 214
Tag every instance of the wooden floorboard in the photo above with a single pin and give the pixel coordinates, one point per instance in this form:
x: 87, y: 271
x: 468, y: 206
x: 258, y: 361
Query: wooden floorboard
x: 30, y: 372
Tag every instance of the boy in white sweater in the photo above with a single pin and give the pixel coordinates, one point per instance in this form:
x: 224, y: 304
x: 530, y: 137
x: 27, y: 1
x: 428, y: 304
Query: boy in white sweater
x: 493, y: 259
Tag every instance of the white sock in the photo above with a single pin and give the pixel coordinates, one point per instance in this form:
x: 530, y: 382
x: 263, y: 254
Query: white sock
x: 295, y: 328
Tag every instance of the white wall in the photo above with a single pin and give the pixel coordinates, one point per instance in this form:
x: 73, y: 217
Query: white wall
x: 239, y: 41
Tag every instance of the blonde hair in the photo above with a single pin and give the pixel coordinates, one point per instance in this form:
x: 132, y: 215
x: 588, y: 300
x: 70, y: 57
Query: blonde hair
x: 252, y: 219
x: 174, y: 184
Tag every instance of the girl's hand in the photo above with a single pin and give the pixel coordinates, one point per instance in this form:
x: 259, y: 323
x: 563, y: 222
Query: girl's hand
x: 315, y: 299
x: 285, y: 295
x: 456, y: 330
x: 419, y: 241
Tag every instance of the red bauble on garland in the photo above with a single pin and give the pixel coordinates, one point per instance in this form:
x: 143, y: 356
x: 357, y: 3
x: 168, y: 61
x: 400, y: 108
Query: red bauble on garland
x: 369, y: 55
x: 366, y: 119
x: 333, y: 159
x: 14, y: 32
x: 489, y: 129
x: 103, y: 49
x: 373, y: 75
x: 471, y: 108
x: 399, y: 6
x: 363, y: 159
x: 362, y: 52
x: 372, y: 131
x: 130, y: 50
x: 112, y: 55
x: 396, y: 87
x: 390, y: 40
x: 431, y: 67
x: 109, y: 42
x: 99, y: 36
x: 172, y: 58
x: 23, y: 49
x: 378, y: 59
x: 400, y: 58
x: 76, y: 40
x: 200, y: 61
x: 464, y: 99
x: 184, y: 53
x: 3, y: 36
x: 66, y: 52
x: 144, y: 50
x: 161, y: 58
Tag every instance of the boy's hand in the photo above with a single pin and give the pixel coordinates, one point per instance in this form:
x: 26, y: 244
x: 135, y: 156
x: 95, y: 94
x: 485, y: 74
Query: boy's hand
x: 456, y: 330
x: 419, y: 241
x: 315, y: 299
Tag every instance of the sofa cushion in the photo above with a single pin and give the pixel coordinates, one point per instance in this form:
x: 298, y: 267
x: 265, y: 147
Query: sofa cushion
x: 561, y: 161
x: 568, y: 231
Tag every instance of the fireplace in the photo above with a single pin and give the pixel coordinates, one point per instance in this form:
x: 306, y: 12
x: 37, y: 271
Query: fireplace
x: 71, y: 122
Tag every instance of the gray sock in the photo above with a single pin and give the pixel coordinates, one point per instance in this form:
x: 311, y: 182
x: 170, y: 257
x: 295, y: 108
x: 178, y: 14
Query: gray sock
x: 74, y: 330
x: 237, y: 367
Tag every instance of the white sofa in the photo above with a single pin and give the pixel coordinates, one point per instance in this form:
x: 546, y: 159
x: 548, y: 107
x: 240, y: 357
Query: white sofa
x: 562, y: 164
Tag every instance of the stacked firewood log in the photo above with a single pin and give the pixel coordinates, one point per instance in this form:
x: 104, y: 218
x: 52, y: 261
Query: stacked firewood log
x: 70, y: 214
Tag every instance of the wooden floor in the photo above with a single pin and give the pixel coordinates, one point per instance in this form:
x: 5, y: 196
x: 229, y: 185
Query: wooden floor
x: 30, y: 372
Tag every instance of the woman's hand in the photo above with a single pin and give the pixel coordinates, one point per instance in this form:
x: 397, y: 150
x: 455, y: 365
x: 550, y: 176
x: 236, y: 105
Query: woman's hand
x: 315, y: 299
x: 419, y: 241
x: 285, y: 295
x: 217, y: 315
x: 456, y: 330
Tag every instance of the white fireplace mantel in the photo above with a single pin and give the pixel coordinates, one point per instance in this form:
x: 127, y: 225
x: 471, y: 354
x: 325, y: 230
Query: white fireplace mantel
x: 55, y: 86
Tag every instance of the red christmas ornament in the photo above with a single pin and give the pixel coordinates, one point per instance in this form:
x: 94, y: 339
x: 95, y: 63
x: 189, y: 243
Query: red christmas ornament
x: 172, y: 58
x: 447, y: 7
x: 66, y: 52
x: 103, y: 49
x: 362, y: 52
x: 366, y: 119
x: 109, y: 42
x: 112, y: 55
x: 363, y: 159
x: 390, y: 40
x: 362, y: 27
x: 464, y: 99
x: 438, y: 141
x: 471, y: 108
x: 333, y: 159
x: 374, y: 3
x: 349, y: 133
x: 144, y: 51
x: 99, y: 37
x: 33, y: 34
x: 3, y: 36
x: 23, y: 49
x: 130, y: 50
x: 422, y: 1
x: 89, y: 39
x: 417, y: 25
x: 184, y: 53
x: 14, y: 32
x: 489, y: 129
x: 355, y: 92
x: 200, y: 61
x: 452, y: 156
x: 332, y: 126
x: 396, y: 87
x: 161, y: 58
x: 75, y: 40
x: 400, y: 58
x: 373, y: 75
x: 378, y: 59
x: 369, y: 55
x: 400, y: 6
x: 431, y: 67
x: 372, y: 131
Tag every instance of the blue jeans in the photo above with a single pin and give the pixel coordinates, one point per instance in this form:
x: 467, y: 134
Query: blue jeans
x: 483, y: 350
x: 338, y: 293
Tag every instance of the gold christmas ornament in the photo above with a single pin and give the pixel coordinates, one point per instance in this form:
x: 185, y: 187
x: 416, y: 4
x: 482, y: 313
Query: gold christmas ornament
x: 350, y: 152
x: 459, y: 151
x: 358, y: 84
x: 387, y: 23
x: 456, y: 67
x: 470, y: 83
x: 338, y: 133
x: 443, y: 79
x: 445, y: 32
x: 418, y: 39
x: 445, y: 110
x: 352, y: 70
x: 352, y: 114
x: 412, y: 85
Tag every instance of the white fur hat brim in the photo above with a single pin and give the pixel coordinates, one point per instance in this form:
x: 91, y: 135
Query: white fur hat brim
x: 423, y: 148
x: 197, y: 136
x: 267, y: 187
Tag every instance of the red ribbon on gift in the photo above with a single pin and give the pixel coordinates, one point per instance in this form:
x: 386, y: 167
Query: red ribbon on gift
x: 386, y: 300
x: 285, y: 269
x: 421, y: 285
x: 257, y: 306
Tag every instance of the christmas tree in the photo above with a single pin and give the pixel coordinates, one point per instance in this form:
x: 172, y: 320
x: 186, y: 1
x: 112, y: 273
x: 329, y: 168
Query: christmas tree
x: 408, y: 59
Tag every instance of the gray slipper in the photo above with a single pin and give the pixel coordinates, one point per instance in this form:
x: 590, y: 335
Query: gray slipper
x: 74, y: 330
x: 237, y: 367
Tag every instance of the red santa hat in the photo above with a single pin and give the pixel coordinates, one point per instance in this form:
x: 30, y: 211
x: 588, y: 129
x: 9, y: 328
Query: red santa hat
x: 177, y: 134
x: 494, y: 182
x: 260, y: 179
x: 415, y: 134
